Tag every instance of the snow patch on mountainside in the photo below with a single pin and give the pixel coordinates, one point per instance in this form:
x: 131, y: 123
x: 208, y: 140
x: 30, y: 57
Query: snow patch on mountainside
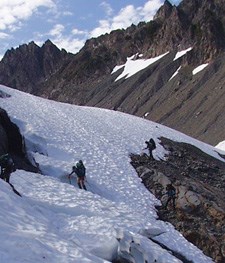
x: 133, y: 65
x: 199, y: 68
x: 182, y: 53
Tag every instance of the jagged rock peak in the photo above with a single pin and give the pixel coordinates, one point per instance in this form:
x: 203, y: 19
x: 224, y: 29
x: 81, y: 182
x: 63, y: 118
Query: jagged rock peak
x: 28, y: 47
x: 164, y: 11
x: 24, y: 49
x: 48, y: 44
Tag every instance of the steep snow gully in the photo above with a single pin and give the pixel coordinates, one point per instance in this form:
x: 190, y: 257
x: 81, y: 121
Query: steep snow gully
x: 115, y: 220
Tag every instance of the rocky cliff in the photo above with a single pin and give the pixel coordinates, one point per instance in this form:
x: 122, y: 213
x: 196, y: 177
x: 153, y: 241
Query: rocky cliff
x: 12, y: 142
x: 199, y: 180
x: 192, y: 104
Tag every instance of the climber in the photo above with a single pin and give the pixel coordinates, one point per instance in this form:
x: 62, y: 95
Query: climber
x: 171, y: 193
x: 7, y: 167
x: 80, y: 172
x: 150, y: 146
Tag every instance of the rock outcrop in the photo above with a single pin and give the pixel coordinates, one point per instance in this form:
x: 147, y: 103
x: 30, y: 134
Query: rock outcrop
x: 12, y: 142
x: 199, y: 180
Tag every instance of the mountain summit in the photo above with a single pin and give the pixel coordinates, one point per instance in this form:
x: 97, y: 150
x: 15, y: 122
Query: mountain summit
x: 184, y: 89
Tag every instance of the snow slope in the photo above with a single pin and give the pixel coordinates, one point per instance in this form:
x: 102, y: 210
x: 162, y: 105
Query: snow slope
x: 57, y: 222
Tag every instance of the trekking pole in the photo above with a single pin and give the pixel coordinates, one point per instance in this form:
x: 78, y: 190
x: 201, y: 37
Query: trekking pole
x: 69, y: 179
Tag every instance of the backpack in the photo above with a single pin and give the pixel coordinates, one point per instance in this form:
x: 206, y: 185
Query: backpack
x: 152, y: 143
x: 80, y: 169
x: 171, y: 191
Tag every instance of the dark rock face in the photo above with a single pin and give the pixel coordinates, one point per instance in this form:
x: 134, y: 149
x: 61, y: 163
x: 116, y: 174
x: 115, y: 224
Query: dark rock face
x: 11, y: 142
x: 29, y: 65
x: 186, y: 103
x: 199, y: 180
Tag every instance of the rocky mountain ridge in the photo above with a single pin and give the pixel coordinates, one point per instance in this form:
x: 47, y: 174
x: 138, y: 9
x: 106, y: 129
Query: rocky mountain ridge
x: 192, y: 104
x: 29, y: 65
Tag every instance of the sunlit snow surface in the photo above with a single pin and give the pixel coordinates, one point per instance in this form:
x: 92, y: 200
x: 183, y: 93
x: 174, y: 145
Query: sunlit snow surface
x: 199, y: 68
x: 57, y: 222
x: 182, y: 53
x: 176, y: 72
x: 134, y: 65
x: 221, y: 146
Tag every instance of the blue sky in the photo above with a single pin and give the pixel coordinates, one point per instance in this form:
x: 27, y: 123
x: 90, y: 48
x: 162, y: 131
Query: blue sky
x: 68, y: 23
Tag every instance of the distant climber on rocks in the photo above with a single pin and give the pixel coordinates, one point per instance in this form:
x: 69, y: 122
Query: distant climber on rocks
x: 150, y: 146
x: 171, y: 193
x: 7, y: 167
x: 80, y: 171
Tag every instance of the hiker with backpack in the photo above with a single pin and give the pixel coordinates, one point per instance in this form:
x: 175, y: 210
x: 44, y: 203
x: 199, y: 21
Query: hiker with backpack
x: 171, y: 193
x: 150, y: 146
x: 80, y: 171
x: 7, y: 167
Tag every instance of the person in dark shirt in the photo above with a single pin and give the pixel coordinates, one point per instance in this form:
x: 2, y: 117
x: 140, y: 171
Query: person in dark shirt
x: 171, y: 193
x: 7, y: 167
x: 150, y: 146
x: 80, y: 171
